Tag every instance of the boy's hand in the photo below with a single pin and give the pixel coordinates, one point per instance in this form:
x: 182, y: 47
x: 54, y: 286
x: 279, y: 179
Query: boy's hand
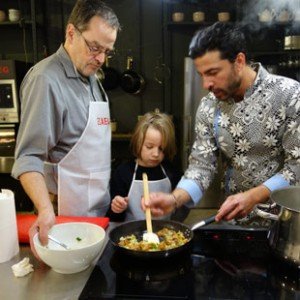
x: 119, y: 204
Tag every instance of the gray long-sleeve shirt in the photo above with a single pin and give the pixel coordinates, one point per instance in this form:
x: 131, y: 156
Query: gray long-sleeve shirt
x: 54, y: 112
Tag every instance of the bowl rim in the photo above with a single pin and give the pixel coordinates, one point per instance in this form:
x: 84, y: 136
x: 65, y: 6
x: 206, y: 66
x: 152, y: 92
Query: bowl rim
x: 39, y: 245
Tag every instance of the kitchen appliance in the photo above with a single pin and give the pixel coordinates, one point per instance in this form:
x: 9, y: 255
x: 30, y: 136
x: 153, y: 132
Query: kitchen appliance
x: 11, y: 75
x: 193, y: 93
x: 192, y: 275
x: 231, y: 237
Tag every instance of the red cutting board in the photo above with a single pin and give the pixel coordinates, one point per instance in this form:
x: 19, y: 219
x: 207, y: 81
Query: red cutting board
x: 24, y: 222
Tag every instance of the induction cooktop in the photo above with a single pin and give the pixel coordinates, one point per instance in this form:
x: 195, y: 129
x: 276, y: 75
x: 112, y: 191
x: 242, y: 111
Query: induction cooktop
x: 198, y: 273
x: 235, y: 239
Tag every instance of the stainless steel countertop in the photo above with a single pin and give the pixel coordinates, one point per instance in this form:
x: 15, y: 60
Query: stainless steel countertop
x: 43, y: 283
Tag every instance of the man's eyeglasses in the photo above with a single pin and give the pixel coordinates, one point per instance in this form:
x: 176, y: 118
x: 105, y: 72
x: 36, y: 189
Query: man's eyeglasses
x: 96, y: 50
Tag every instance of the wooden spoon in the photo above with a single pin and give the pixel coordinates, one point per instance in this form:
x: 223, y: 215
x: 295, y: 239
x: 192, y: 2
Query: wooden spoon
x: 149, y: 236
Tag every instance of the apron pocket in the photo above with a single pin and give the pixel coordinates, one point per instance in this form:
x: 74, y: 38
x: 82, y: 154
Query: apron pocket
x: 99, y: 197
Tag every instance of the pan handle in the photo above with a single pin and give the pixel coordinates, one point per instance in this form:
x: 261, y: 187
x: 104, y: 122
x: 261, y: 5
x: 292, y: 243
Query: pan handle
x: 204, y: 222
x: 129, y: 62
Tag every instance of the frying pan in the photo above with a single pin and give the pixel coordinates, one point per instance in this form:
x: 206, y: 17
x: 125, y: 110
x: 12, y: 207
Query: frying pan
x: 131, y: 82
x: 111, y: 78
x: 139, y: 227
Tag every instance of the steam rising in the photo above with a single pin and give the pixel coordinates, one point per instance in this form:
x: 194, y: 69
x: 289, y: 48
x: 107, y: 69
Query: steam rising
x: 253, y: 9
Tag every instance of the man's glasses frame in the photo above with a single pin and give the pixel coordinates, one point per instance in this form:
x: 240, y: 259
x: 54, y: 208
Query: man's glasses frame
x: 96, y: 50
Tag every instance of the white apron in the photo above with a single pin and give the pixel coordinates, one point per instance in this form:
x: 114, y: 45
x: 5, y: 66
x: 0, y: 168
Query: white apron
x: 136, y: 191
x: 84, y: 173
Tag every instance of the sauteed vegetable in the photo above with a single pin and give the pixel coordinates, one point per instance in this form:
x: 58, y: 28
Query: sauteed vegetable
x: 169, y: 239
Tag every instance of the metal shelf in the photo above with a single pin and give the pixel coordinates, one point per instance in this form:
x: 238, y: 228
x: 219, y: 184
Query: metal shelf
x: 21, y: 23
x: 121, y: 136
x: 31, y: 23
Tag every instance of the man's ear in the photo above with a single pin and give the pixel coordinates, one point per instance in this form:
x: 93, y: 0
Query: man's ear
x: 240, y: 60
x: 70, y: 31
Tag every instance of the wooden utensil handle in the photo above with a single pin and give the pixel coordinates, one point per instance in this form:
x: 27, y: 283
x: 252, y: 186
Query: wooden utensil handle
x: 146, y: 196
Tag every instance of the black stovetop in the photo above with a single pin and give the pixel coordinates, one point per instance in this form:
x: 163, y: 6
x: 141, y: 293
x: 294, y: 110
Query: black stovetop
x: 216, y: 267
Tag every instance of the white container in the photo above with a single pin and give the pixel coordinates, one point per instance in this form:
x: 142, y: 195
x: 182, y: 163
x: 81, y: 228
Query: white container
x: 297, y: 15
x: 85, y: 241
x: 178, y: 16
x: 14, y: 15
x: 9, y: 244
x: 113, y: 126
x: 223, y: 16
x: 267, y: 15
x: 198, y: 16
x: 284, y: 16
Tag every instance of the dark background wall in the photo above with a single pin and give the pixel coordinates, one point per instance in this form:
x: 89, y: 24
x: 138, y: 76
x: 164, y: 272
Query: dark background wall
x: 157, y: 45
x: 141, y: 38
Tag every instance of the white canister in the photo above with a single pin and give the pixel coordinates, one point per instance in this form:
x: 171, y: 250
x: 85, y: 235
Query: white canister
x: 113, y: 126
x: 198, y: 16
x: 14, y: 15
x: 9, y: 244
x: 297, y: 15
x: 178, y: 16
x: 223, y: 16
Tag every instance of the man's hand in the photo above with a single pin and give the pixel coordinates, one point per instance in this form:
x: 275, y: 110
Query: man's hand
x: 35, y: 186
x: 42, y: 225
x: 241, y: 204
x: 162, y: 204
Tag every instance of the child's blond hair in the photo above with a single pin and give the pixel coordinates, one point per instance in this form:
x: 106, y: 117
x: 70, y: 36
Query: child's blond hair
x: 161, y: 122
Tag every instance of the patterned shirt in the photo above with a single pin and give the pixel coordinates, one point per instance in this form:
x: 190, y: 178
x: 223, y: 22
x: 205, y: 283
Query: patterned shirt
x: 258, y: 138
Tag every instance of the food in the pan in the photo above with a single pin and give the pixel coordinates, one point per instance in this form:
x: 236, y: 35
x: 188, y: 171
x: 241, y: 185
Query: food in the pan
x: 169, y: 239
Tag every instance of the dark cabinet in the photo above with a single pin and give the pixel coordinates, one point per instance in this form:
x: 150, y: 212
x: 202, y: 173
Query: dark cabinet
x: 266, y: 24
x: 23, y: 39
x: 266, y: 39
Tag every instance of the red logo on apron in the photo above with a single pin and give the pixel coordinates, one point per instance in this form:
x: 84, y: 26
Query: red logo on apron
x: 103, y: 121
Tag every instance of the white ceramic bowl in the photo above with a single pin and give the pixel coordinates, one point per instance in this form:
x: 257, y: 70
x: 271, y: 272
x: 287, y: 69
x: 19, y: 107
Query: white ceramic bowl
x: 85, y: 241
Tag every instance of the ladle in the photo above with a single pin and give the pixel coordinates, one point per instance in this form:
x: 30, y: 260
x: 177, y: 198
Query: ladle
x: 148, y: 236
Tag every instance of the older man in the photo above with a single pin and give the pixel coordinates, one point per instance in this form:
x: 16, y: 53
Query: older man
x: 63, y: 144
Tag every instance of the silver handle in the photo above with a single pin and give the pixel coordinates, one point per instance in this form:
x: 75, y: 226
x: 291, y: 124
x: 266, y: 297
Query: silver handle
x: 58, y: 242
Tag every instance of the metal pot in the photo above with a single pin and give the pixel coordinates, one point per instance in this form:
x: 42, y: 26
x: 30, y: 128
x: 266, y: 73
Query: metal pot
x: 131, y: 82
x: 285, y: 236
x: 111, y: 78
